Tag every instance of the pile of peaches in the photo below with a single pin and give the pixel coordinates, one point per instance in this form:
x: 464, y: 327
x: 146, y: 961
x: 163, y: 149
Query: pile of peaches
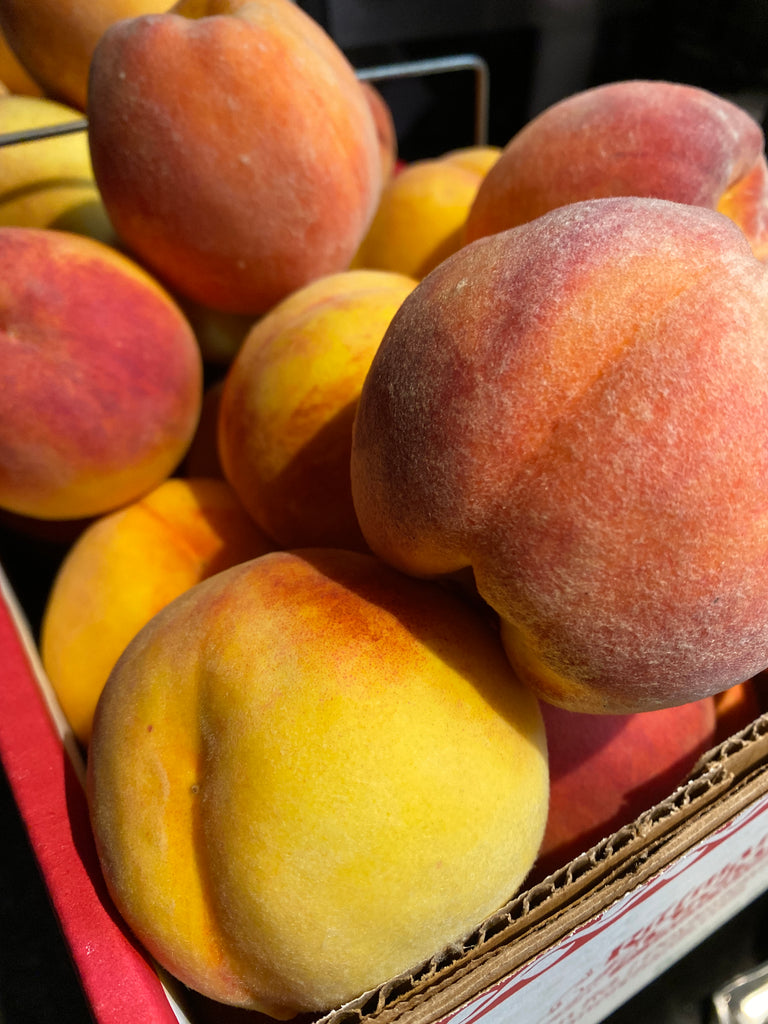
x: 418, y: 513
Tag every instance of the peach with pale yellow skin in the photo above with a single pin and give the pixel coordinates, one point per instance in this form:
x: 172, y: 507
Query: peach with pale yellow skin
x: 645, y: 138
x: 289, y: 399
x: 234, y: 149
x: 53, y: 40
x: 102, y: 377
x: 48, y: 183
x: 576, y: 410
x: 606, y: 770
x: 313, y: 745
x: 422, y: 211
x: 123, y: 569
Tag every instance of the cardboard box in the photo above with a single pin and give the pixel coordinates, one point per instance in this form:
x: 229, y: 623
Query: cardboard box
x: 571, y: 949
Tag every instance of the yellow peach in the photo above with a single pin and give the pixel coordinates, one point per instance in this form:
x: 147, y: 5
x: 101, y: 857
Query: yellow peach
x: 49, y: 183
x: 420, y: 218
x: 123, y: 569
x: 310, y: 773
x: 479, y: 159
x: 289, y: 399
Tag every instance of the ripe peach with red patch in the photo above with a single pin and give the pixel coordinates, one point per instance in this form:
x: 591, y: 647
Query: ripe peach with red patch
x: 634, y: 138
x: 576, y: 410
x: 605, y: 770
x: 102, y: 377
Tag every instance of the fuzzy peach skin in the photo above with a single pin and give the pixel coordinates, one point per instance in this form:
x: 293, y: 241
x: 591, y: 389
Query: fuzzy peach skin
x: 386, y: 131
x: 53, y: 40
x: 289, y: 400
x: 576, y: 409
x: 234, y: 149
x: 123, y: 569
x: 606, y: 770
x: 293, y: 764
x: 102, y: 377
x: 49, y: 183
x: 422, y: 212
x: 647, y: 138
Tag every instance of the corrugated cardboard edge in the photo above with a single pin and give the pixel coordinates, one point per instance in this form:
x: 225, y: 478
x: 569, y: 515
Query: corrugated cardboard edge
x: 728, y: 779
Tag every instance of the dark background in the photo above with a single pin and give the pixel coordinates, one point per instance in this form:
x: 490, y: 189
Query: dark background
x: 537, y: 53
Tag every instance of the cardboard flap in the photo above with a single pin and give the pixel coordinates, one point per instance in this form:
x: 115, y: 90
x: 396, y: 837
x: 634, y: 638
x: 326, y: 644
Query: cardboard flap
x: 725, y: 781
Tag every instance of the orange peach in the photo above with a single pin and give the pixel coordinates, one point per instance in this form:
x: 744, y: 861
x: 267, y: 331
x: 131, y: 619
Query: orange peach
x: 53, y: 40
x: 576, y: 410
x: 102, y: 377
x: 13, y: 74
x: 234, y: 149
x: 645, y: 138
x: 48, y: 182
x: 736, y: 708
x: 605, y: 770
x: 291, y: 766
x: 289, y: 399
x: 123, y: 569
x: 421, y: 214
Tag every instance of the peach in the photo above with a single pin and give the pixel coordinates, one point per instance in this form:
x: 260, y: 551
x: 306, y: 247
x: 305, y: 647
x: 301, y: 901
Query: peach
x: 234, y: 149
x: 102, y: 377
x: 218, y: 334
x: 385, y: 129
x: 289, y: 399
x: 575, y: 409
x: 123, y: 569
x: 291, y: 766
x: 202, y: 457
x: 49, y: 183
x: 605, y: 770
x: 13, y: 75
x: 53, y: 40
x: 422, y: 212
x: 736, y: 708
x: 645, y: 138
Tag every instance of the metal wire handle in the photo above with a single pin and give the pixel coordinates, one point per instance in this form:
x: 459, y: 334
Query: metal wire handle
x: 382, y: 72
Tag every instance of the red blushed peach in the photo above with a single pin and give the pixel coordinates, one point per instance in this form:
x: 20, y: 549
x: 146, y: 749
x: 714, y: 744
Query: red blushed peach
x: 385, y: 129
x: 643, y: 138
x: 577, y: 409
x: 234, y: 149
x: 605, y: 770
x: 102, y: 377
